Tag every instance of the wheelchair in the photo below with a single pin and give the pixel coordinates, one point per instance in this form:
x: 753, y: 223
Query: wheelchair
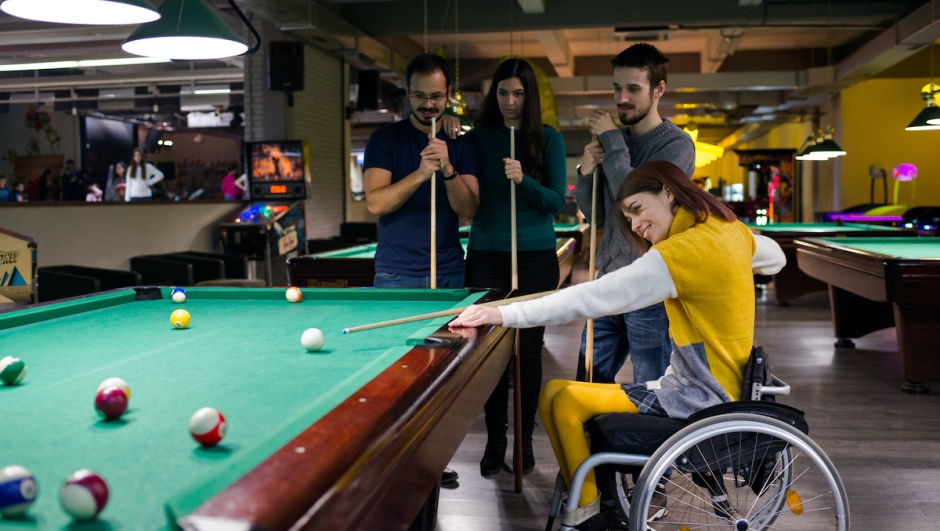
x: 740, y: 466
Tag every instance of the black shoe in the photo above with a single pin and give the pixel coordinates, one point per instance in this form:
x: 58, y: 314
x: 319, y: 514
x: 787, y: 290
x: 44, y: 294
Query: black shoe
x: 528, y: 456
x: 494, y: 455
x: 448, y: 476
x: 598, y: 522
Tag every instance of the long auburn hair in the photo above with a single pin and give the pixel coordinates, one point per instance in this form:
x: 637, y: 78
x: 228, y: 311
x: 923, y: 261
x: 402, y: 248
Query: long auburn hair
x: 132, y: 167
x: 531, y: 128
x: 651, y: 177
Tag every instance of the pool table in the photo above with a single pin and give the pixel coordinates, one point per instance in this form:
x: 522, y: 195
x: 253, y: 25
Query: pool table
x: 355, y: 267
x: 353, y: 436
x: 877, y: 283
x: 562, y: 230
x: 790, y: 282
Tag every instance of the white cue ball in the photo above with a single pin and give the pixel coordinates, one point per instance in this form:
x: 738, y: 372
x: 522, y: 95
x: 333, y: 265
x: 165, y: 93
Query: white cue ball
x: 312, y: 339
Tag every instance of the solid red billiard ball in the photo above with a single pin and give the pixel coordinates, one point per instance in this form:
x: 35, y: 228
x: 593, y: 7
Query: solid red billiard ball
x: 84, y: 495
x: 111, y: 403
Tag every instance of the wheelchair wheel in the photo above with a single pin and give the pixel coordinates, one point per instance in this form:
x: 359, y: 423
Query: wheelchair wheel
x: 739, y: 472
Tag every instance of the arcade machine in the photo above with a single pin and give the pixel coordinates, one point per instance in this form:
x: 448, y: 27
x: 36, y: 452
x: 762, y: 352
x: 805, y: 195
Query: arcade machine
x: 273, y: 223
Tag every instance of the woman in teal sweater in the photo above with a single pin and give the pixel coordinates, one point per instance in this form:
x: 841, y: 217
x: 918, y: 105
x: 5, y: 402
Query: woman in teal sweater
x: 539, y: 174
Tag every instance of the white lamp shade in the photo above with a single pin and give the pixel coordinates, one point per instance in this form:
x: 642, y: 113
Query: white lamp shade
x: 185, y: 48
x: 96, y: 12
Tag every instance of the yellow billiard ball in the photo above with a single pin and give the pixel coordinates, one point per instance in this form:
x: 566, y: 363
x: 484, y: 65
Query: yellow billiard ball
x: 179, y: 319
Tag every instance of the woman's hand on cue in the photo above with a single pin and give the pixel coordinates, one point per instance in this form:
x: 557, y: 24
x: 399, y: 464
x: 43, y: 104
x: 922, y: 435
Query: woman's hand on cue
x: 513, y: 170
x: 478, y: 316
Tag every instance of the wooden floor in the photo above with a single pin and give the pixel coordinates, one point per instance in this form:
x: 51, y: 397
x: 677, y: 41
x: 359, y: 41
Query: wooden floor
x: 885, y: 444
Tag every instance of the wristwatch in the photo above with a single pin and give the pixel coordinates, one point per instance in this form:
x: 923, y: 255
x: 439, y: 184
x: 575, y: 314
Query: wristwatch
x: 452, y: 177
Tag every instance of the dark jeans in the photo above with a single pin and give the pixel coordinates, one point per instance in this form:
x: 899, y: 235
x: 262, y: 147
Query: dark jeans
x: 643, y: 335
x: 538, y: 271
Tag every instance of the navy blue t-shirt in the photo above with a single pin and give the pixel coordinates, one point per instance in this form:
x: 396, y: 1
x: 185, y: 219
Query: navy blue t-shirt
x: 404, y: 245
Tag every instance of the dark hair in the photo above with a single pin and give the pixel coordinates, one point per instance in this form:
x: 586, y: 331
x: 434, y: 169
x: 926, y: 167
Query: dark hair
x: 427, y: 63
x: 643, y: 55
x: 132, y: 167
x: 531, y: 128
x: 651, y: 177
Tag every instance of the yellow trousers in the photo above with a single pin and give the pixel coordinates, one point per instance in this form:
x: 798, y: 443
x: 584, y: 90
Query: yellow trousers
x: 565, y: 406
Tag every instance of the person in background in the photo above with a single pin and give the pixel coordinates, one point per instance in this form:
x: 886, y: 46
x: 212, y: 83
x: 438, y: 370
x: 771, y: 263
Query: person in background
x: 196, y: 189
x: 74, y: 186
x: 94, y: 194
x: 116, y: 174
x: 538, y: 172
x: 119, y: 191
x: 141, y: 175
x: 639, y: 83
x: 229, y: 186
x: 19, y: 192
x: 48, y: 187
x: 242, y: 184
x: 5, y: 193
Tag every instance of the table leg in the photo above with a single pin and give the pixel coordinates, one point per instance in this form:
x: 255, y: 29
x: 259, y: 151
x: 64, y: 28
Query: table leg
x: 918, y: 336
x: 854, y: 316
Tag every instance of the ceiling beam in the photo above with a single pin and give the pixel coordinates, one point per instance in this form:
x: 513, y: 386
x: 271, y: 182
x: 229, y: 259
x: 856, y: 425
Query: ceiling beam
x: 902, y: 40
x: 555, y: 45
x: 220, y: 75
x: 719, y: 45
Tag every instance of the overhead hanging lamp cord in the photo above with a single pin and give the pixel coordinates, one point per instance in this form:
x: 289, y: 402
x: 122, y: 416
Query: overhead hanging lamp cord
x: 250, y: 28
x: 425, y: 26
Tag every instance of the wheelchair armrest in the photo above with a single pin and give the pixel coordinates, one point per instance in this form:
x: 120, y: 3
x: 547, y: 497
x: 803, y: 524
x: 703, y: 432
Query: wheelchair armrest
x: 779, y: 388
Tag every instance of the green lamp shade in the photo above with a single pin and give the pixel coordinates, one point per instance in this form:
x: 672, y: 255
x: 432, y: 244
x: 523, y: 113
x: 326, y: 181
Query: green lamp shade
x: 97, y: 12
x: 188, y: 30
x: 925, y: 120
x: 828, y: 148
x: 810, y: 153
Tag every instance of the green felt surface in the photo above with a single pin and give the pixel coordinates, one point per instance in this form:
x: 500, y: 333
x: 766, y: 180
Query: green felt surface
x: 819, y: 227
x: 912, y: 248
x: 559, y: 227
x: 368, y: 251
x: 241, y: 355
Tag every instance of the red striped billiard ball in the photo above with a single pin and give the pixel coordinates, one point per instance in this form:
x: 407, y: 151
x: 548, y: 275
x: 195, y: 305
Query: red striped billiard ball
x: 207, y: 426
x: 84, y: 495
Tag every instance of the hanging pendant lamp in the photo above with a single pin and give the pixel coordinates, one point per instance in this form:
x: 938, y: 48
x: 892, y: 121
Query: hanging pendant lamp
x: 928, y: 119
x: 828, y: 147
x: 96, y: 12
x: 189, y: 30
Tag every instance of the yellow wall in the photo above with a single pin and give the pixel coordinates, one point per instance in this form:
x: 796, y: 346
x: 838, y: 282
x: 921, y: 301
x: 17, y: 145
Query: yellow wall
x: 725, y: 167
x: 874, y: 115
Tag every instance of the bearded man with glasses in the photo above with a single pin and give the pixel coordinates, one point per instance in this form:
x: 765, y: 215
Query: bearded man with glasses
x: 400, y: 161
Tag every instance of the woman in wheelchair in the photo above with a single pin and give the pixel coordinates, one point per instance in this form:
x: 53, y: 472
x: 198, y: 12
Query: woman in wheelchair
x: 700, y: 260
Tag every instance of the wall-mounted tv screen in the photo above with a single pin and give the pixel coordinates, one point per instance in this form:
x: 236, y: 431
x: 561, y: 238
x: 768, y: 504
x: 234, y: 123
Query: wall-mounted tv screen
x: 276, y: 169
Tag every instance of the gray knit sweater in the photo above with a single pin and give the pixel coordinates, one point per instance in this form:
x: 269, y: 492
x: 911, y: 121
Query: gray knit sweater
x: 622, y: 153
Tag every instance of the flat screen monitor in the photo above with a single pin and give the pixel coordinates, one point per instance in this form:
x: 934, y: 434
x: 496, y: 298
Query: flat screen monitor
x: 276, y: 169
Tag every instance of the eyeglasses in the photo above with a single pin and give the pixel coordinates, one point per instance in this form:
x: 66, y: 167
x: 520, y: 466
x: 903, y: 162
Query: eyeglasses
x: 433, y: 98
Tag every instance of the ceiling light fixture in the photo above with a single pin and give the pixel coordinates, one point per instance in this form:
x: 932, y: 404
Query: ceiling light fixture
x: 95, y: 12
x: 828, y: 147
x: 190, y: 30
x: 89, y: 63
x: 928, y: 118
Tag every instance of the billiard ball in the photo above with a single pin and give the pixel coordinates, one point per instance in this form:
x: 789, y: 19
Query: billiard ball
x: 12, y: 370
x: 17, y: 491
x: 179, y: 319
x: 178, y: 295
x: 84, y: 494
x: 111, y: 403
x: 116, y: 382
x: 207, y: 426
x: 312, y: 339
x: 293, y: 294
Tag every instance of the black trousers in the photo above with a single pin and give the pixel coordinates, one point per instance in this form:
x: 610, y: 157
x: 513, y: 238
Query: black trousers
x: 538, y: 271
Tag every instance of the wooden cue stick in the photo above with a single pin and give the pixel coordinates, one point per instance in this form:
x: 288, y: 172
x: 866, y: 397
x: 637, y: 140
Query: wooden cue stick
x: 592, y: 265
x: 517, y: 362
x: 434, y: 215
x: 445, y: 313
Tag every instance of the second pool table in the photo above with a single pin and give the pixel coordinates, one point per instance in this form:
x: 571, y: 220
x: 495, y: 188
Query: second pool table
x: 790, y: 282
x: 354, y: 436
x: 355, y: 267
x: 877, y: 283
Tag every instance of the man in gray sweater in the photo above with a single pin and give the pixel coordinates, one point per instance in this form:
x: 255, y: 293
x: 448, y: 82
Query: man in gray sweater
x: 639, y: 83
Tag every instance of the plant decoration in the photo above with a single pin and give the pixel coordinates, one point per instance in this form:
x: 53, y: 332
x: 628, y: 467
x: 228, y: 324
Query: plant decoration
x: 41, y: 121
